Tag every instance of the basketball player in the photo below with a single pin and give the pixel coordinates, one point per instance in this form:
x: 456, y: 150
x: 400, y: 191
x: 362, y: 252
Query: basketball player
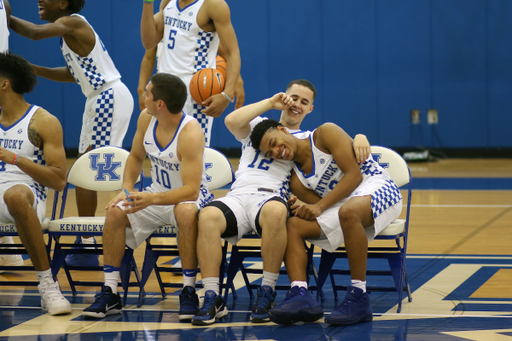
x: 174, y: 142
x: 257, y: 201
x: 191, y: 31
x: 342, y: 199
x: 5, y: 14
x: 109, y: 104
x: 32, y: 158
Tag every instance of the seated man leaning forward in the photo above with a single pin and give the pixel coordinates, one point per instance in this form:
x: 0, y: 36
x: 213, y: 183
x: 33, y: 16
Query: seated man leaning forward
x: 32, y: 158
x: 342, y: 199
x: 256, y: 202
x: 174, y: 142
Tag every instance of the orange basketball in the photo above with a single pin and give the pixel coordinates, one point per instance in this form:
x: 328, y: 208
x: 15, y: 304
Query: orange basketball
x: 221, y: 65
x: 205, y: 83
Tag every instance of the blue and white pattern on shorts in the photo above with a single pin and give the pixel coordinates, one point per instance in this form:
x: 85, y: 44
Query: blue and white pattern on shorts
x: 103, y: 120
x: 203, y: 121
x: 369, y: 168
x: 201, y: 54
x: 91, y: 72
x: 39, y: 159
x: 385, y: 197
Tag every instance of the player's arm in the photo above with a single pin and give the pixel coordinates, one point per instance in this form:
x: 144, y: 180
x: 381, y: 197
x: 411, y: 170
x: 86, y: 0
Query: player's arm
x: 151, y: 25
x: 63, y: 26
x: 331, y: 139
x: 239, y: 88
x: 45, y: 131
x: 238, y: 122
x: 147, y: 66
x: 361, y: 147
x: 218, y: 12
x: 58, y: 74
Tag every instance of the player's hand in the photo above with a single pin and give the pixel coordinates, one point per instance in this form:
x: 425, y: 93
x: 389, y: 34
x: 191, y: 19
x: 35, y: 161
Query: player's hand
x: 239, y: 93
x: 119, y: 197
x: 215, y: 105
x: 292, y: 205
x: 140, y: 200
x: 361, y: 148
x: 308, y: 212
x: 6, y: 156
x: 281, y: 101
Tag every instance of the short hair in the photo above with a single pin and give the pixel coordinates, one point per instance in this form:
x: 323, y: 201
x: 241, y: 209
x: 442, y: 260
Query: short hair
x: 260, y: 129
x: 305, y: 83
x: 18, y: 71
x: 170, y: 89
x: 75, y: 6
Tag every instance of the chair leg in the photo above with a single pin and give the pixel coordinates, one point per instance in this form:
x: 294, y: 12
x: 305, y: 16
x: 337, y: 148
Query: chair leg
x: 235, y: 264
x: 326, y: 263
x: 125, y: 271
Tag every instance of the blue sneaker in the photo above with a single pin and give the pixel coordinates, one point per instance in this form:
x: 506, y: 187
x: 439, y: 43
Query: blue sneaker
x: 79, y: 259
x: 189, y: 303
x: 355, y: 308
x: 265, y: 301
x: 107, y: 303
x: 213, y: 308
x: 299, y: 305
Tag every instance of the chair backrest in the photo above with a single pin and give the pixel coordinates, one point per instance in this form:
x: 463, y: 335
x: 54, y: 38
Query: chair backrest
x: 100, y: 169
x: 393, y: 163
x: 219, y: 171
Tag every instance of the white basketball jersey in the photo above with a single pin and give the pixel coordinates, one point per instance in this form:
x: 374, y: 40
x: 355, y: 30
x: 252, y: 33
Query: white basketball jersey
x: 326, y: 173
x: 187, y: 48
x: 4, y: 28
x: 15, y: 139
x: 257, y: 172
x: 93, y: 71
x: 165, y: 166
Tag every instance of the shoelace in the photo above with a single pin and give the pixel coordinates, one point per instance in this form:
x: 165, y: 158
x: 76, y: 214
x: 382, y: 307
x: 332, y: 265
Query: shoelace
x: 293, y: 297
x: 52, y: 292
x: 265, y: 300
x: 208, y: 301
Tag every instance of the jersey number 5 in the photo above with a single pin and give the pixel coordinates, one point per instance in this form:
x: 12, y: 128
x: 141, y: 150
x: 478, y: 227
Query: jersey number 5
x: 172, y: 34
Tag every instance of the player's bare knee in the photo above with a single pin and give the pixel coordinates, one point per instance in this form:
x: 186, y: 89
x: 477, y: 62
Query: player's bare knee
x: 348, y: 216
x: 275, y: 212
x: 18, y: 197
x: 211, y: 221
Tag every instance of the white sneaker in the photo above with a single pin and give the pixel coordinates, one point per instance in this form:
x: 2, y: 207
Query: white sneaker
x: 9, y: 260
x: 52, y: 299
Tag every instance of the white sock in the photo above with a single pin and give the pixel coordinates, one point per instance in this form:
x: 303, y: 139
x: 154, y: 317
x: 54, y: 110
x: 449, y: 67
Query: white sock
x: 88, y: 241
x: 301, y: 284
x: 111, y: 280
x: 269, y: 279
x: 189, y: 278
x: 211, y: 283
x: 359, y: 284
x: 45, y: 276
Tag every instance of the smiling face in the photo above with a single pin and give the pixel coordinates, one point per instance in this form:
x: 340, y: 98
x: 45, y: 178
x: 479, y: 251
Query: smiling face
x: 278, y: 144
x: 50, y: 10
x: 302, y: 105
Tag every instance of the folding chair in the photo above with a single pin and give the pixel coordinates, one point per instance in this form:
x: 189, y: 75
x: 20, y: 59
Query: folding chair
x: 19, y: 249
x: 219, y: 173
x: 101, y: 170
x: 397, y: 231
x: 240, y: 252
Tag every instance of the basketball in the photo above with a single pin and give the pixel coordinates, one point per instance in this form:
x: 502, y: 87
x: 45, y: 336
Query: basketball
x: 205, y: 83
x: 221, y: 65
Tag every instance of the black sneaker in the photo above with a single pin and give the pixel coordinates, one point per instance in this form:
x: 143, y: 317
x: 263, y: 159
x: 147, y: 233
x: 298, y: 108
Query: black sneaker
x: 107, y: 303
x: 355, y: 308
x: 299, y: 305
x: 189, y: 303
x: 213, y: 308
x: 265, y: 301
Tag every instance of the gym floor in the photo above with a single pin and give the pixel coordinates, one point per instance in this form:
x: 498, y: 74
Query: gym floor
x: 459, y: 267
